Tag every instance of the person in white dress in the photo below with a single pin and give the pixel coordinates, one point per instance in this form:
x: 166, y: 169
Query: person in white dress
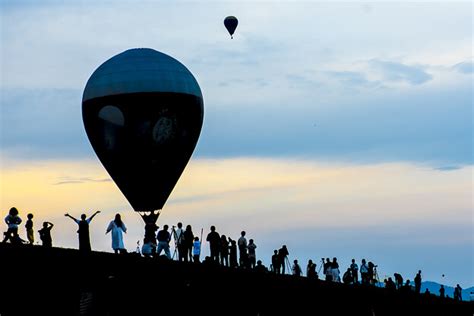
x: 117, y: 227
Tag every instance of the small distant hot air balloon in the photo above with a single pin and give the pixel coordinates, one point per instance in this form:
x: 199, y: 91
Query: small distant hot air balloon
x: 230, y: 23
x: 143, y: 113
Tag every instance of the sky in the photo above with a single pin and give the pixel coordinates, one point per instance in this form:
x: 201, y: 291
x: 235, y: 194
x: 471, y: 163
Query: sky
x: 341, y: 129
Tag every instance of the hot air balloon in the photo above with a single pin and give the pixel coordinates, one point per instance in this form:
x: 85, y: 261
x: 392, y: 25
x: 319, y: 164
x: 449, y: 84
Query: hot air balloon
x: 143, y: 113
x: 230, y: 23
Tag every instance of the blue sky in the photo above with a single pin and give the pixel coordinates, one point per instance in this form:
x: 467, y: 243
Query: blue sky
x: 324, y: 87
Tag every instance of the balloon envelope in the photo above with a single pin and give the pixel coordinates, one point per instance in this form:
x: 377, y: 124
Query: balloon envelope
x: 230, y: 24
x: 143, y: 113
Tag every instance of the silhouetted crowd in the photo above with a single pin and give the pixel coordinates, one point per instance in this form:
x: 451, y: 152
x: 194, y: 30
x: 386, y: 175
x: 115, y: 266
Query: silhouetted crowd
x: 223, y: 251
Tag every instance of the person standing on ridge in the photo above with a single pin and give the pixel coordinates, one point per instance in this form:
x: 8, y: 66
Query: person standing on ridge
x: 355, y: 271
x: 214, y: 240
x: 252, y: 257
x: 188, y: 243
x: 282, y: 256
x: 83, y: 231
x: 117, y: 227
x: 233, y: 253
x: 45, y: 234
x: 441, y: 291
x: 164, y: 239
x: 418, y: 282
x: 179, y: 242
x: 29, y: 229
x: 242, y: 243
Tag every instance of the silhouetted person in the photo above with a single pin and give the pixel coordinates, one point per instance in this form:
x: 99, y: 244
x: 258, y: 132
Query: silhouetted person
x: 151, y: 228
x: 29, y: 229
x: 398, y: 280
x: 224, y: 251
x: 311, y: 270
x: 427, y: 292
x: 296, y: 268
x: 457, y: 293
x: 355, y: 271
x: 364, y: 272
x: 12, y: 220
x: 407, y: 287
x: 418, y: 282
x: 117, y: 227
x: 233, y: 253
x: 196, y: 249
x: 441, y: 291
x: 260, y: 268
x: 188, y: 242
x: 252, y: 257
x: 214, y: 241
x: 83, y: 231
x: 178, y: 235
x: 390, y: 285
x: 282, y: 254
x: 371, y: 272
x: 328, y: 270
x: 148, y: 248
x: 164, y: 239
x: 347, y: 277
x: 276, y: 262
x: 242, y: 243
x: 45, y: 234
x: 335, y: 270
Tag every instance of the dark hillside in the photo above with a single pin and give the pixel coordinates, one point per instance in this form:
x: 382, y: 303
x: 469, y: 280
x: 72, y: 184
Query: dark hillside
x: 38, y: 281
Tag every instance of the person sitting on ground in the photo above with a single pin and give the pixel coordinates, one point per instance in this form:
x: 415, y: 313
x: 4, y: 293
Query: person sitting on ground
x: 147, y: 248
x: 427, y: 292
x: 12, y: 220
x: 296, y: 268
x: 45, y: 234
x: 83, y: 231
x: 260, y: 268
x: 347, y: 277
x: 390, y: 285
x: 30, y: 235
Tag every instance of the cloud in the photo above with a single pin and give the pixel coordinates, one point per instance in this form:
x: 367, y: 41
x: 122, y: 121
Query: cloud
x: 465, y: 67
x: 448, y: 168
x: 399, y: 72
x: 74, y: 180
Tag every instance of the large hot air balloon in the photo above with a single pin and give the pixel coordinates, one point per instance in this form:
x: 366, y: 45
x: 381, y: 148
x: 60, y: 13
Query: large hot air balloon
x: 143, y: 113
x: 230, y: 24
